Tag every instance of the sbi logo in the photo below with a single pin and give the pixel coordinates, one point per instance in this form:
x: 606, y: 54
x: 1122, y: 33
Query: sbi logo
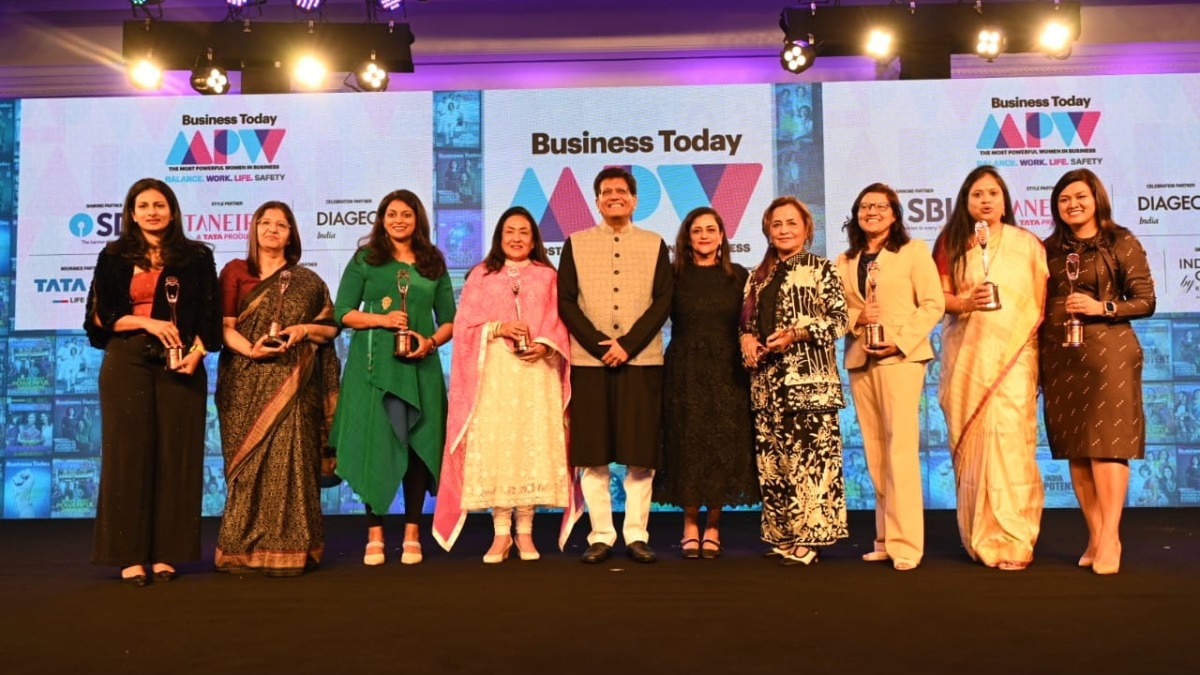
x: 107, y: 224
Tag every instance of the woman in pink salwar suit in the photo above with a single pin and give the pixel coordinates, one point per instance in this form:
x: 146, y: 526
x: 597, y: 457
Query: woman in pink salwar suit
x: 506, y: 433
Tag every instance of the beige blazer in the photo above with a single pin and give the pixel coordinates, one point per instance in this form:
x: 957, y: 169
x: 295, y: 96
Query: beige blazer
x: 910, y: 301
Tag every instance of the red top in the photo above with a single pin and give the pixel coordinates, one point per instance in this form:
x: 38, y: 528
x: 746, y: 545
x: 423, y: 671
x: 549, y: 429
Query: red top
x: 141, y: 291
x: 236, y: 283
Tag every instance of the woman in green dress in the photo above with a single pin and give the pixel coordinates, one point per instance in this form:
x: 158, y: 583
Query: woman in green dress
x: 390, y: 423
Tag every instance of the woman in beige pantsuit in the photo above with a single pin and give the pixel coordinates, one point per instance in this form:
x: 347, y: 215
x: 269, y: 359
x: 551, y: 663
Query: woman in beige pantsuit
x: 886, y: 379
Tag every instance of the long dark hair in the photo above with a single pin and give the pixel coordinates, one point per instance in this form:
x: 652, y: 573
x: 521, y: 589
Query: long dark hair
x: 494, y: 262
x: 291, y: 250
x: 957, y: 236
x: 857, y: 238
x: 684, y: 254
x: 173, y: 245
x: 1104, y: 220
x: 429, y: 260
x: 767, y: 267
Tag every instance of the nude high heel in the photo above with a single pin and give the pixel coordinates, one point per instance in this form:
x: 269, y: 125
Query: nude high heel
x: 410, y: 553
x: 374, y: 553
x: 494, y: 558
x: 525, y: 526
x: 1104, y: 567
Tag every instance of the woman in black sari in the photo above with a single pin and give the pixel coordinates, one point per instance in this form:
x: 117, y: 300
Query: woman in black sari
x: 276, y: 391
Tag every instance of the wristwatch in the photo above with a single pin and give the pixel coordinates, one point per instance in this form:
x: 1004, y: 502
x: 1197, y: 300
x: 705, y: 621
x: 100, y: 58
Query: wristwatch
x: 1110, y: 308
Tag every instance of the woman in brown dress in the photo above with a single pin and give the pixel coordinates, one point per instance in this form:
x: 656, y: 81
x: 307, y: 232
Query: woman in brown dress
x: 1093, y: 392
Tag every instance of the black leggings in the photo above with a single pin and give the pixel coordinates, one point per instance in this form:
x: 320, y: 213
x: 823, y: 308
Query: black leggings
x: 416, y: 484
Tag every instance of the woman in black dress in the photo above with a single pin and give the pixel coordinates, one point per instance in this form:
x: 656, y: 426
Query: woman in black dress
x: 708, y: 450
x: 1093, y: 392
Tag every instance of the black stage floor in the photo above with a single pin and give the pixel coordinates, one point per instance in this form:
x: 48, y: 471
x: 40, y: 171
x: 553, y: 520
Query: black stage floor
x: 737, y: 614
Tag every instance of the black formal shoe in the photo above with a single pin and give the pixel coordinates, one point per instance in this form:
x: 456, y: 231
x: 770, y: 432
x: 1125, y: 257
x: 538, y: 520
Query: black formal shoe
x: 639, y: 552
x: 596, y: 553
x: 165, y: 575
x: 139, y: 580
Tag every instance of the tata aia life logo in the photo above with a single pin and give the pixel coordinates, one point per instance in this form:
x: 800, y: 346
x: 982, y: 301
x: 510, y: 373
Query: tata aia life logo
x: 1038, y: 132
x: 567, y: 208
x: 222, y: 150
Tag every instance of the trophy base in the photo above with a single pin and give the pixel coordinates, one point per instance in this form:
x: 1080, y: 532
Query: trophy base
x: 993, y: 302
x: 1073, y: 333
x: 174, y: 357
x: 273, y: 340
x: 874, y: 335
x: 405, y: 346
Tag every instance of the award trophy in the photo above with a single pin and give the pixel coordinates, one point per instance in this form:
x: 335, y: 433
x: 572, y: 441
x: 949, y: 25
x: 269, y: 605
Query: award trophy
x: 981, y: 236
x: 174, y: 354
x: 273, y: 340
x: 514, y: 282
x: 1073, y: 327
x: 874, y: 331
x: 404, y: 339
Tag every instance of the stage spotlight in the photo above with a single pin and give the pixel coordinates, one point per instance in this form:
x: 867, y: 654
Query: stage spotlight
x: 145, y: 73
x: 238, y: 8
x: 881, y: 45
x: 310, y: 72
x: 1055, y: 40
x: 797, y: 56
x: 390, y: 5
x: 371, y: 76
x: 308, y: 5
x: 208, y: 78
x: 144, y: 6
x: 991, y: 43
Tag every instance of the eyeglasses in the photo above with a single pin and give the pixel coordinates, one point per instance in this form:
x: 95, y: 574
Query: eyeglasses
x: 276, y: 224
x: 885, y: 206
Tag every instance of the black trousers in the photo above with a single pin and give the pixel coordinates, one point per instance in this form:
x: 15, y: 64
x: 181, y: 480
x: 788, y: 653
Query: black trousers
x: 152, y: 458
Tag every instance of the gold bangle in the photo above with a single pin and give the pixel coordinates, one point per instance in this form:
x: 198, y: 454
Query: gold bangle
x: 198, y: 347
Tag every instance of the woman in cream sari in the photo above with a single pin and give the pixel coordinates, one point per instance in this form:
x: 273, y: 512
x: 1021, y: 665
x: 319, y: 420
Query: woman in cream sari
x: 988, y: 388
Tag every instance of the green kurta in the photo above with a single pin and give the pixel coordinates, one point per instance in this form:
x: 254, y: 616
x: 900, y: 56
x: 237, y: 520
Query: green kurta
x: 370, y: 456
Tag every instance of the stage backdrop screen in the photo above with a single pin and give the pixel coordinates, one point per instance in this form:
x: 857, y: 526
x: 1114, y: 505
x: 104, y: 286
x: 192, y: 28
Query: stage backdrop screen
x: 65, y: 166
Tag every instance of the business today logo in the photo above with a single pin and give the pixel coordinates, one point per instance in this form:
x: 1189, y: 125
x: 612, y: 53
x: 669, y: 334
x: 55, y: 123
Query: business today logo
x: 226, y: 147
x: 1036, y: 130
x: 219, y: 150
x: 568, y: 207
